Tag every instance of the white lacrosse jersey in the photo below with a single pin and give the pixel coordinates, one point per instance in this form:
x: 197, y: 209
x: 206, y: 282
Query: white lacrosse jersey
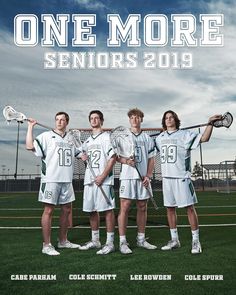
x: 144, y: 149
x: 57, y: 156
x: 99, y: 150
x: 175, y: 151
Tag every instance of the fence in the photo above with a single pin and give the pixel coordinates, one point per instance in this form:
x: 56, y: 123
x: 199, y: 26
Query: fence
x: 29, y: 182
x: 207, y: 177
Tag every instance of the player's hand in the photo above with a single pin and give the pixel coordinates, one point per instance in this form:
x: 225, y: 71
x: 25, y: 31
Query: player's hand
x: 130, y: 162
x: 84, y: 157
x: 99, y: 180
x: 214, y: 118
x: 31, y: 122
x: 146, y: 181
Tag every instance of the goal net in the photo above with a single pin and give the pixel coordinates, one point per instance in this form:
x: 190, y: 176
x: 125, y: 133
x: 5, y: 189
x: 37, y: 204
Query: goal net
x: 227, y: 177
x: 154, y: 216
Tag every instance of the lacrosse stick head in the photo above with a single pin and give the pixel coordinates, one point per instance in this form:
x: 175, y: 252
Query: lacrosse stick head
x: 226, y: 121
x: 73, y: 138
x: 10, y: 114
x: 122, y: 142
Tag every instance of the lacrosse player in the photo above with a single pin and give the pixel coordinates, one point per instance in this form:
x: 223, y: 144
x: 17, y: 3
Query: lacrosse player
x: 56, y: 178
x: 131, y: 186
x: 175, y: 146
x: 98, y: 181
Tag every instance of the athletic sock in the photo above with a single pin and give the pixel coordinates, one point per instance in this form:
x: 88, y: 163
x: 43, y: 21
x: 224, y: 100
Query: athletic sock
x: 110, y: 238
x: 195, y: 235
x: 174, y: 234
x: 95, y: 235
x: 123, y: 239
x: 141, y: 236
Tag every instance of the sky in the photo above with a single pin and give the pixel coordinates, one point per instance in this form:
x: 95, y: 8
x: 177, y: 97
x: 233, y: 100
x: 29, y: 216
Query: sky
x: 194, y: 94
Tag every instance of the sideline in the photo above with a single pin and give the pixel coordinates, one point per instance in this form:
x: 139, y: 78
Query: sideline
x: 130, y: 226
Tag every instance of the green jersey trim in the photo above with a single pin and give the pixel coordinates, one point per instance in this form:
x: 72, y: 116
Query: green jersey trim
x: 41, y: 148
x: 94, y: 137
x: 192, y: 142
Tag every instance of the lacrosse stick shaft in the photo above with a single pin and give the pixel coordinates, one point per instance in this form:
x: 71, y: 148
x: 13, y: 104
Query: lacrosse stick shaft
x: 196, y: 126
x: 100, y: 187
x: 189, y: 127
x: 44, y: 126
x: 148, y: 190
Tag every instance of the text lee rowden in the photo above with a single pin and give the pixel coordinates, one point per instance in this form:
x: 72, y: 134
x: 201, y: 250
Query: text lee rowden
x: 148, y: 277
x: 33, y: 277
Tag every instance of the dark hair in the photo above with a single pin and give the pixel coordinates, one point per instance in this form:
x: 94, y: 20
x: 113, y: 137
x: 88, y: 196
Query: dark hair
x: 135, y: 112
x: 176, y: 118
x: 65, y: 114
x: 99, y: 113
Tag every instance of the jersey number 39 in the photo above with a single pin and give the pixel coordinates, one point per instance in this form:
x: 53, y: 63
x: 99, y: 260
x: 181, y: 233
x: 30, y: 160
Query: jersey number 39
x: 168, y: 154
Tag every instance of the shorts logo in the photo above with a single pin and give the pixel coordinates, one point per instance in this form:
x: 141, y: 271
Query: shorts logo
x: 122, y: 189
x: 48, y: 194
x: 66, y: 198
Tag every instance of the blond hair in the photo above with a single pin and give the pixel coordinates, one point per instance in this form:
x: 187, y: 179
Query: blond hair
x: 135, y: 112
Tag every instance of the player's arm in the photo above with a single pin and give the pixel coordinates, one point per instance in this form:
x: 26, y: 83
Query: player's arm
x: 83, y: 156
x: 150, y: 168
x: 29, y: 135
x: 100, y: 178
x: 125, y: 161
x: 208, y: 131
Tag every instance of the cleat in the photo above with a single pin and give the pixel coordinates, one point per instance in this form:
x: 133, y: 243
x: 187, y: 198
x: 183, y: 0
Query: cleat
x: 144, y: 244
x: 124, y: 248
x: 91, y: 245
x: 106, y: 249
x: 50, y: 250
x: 67, y: 245
x: 172, y: 244
x: 196, y: 247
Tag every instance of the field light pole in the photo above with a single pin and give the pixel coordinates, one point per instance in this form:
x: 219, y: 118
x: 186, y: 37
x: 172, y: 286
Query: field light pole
x: 17, y: 149
x: 200, y: 146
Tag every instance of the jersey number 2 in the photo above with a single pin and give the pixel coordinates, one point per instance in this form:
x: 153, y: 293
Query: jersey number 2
x: 94, y: 157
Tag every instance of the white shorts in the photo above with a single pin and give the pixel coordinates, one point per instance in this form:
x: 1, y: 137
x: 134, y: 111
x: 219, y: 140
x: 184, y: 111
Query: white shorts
x: 94, y: 200
x: 133, y: 189
x: 178, y: 192
x: 56, y: 193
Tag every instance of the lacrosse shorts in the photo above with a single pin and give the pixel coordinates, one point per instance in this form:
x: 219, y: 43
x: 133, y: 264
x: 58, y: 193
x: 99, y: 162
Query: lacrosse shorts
x: 56, y: 193
x: 178, y: 192
x: 93, y: 199
x: 133, y: 189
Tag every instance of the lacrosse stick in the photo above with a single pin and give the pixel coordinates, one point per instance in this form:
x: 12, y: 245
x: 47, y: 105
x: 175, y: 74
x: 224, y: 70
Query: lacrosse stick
x: 226, y: 121
x: 12, y: 115
x: 123, y: 145
x: 74, y: 138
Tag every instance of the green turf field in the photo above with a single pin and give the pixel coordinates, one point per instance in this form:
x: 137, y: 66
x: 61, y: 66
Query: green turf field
x: 21, y: 253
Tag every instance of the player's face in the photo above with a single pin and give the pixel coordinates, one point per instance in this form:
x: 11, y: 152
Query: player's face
x: 61, y: 122
x: 135, y: 121
x: 95, y: 121
x: 170, y: 121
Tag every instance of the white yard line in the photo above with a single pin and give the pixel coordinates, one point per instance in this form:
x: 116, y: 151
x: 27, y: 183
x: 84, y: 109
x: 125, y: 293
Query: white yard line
x: 130, y: 226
